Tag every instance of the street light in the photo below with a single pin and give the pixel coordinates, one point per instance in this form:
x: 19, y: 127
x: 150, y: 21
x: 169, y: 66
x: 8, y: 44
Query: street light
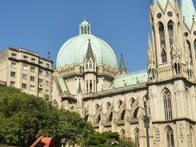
x: 146, y: 121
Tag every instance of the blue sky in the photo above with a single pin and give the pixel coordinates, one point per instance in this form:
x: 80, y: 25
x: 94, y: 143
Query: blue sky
x: 44, y: 25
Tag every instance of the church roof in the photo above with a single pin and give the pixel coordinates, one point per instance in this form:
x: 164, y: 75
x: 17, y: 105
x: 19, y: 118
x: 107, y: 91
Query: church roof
x: 74, y: 50
x: 134, y: 78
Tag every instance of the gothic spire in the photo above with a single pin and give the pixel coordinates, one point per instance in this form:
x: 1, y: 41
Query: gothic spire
x: 188, y: 12
x: 122, y: 67
x: 89, y: 53
x: 163, y: 3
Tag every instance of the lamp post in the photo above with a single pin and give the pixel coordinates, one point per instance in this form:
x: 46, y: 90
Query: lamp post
x: 146, y: 121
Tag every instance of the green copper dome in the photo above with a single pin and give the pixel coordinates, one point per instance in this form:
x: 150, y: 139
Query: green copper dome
x: 74, y: 50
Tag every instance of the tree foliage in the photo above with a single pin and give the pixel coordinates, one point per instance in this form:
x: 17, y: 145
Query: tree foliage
x: 108, y: 139
x: 23, y: 118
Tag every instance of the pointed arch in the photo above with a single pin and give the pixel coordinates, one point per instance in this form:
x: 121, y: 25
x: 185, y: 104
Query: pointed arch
x: 108, y: 104
x: 170, y: 27
x: 167, y: 104
x: 119, y: 104
x: 122, y: 132
x: 110, y: 117
x: 122, y: 115
x: 96, y: 107
x: 169, y: 136
x: 136, y: 132
x: 189, y: 50
x: 135, y: 114
x: 55, y: 103
x: 131, y: 102
x: 195, y: 47
x: 161, y: 34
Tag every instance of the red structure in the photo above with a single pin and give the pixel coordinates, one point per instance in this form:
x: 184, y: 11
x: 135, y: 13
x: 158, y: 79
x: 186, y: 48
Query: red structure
x: 43, y: 142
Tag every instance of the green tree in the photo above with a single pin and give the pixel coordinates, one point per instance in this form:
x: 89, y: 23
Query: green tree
x: 23, y: 118
x: 108, y: 139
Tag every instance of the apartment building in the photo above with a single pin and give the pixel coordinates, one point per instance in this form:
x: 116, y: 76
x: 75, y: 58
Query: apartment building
x: 26, y: 70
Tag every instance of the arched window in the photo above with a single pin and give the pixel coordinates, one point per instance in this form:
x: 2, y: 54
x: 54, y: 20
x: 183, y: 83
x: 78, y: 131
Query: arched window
x: 170, y: 27
x: 132, y: 101
x: 162, y: 34
x: 135, y: 113
x: 90, y: 65
x: 119, y: 104
x: 122, y: 115
x: 122, y: 132
x: 108, y: 105
x: 189, y: 49
x: 167, y: 104
x: 170, y: 137
x: 163, y: 55
x: 86, y: 117
x: 55, y: 103
x: 86, y: 65
x: 195, y: 47
x: 96, y: 107
x: 97, y: 120
x: 91, y: 86
x: 136, y: 132
x: 109, y: 119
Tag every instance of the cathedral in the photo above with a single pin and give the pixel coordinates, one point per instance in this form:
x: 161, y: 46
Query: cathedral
x: 155, y: 107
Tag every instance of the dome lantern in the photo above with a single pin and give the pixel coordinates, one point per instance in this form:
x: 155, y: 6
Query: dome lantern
x: 85, y: 28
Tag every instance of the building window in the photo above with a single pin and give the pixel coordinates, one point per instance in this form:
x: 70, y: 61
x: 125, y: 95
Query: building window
x: 47, y: 65
x: 162, y: 34
x: 163, y: 56
x: 170, y: 32
x: 25, y: 67
x: 40, y: 90
x: 47, y: 83
x: 33, y: 60
x: 167, y: 104
x: 170, y: 137
x: 13, y: 55
x: 13, y: 74
x: 40, y: 81
x: 24, y: 86
x: 32, y: 69
x: 12, y: 83
x: 24, y: 76
x: 41, y: 72
x: 119, y: 104
x: 136, y: 132
x: 13, y: 64
x: 32, y: 78
x: 32, y: 88
x: 25, y: 57
x: 41, y: 63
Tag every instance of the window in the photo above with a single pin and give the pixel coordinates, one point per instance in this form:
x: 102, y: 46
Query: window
x: 12, y: 83
x: 33, y: 60
x: 47, y: 65
x: 47, y: 83
x: 24, y: 86
x: 24, y: 76
x: 32, y: 88
x: 32, y: 69
x: 136, y: 132
x: 40, y: 81
x: 25, y: 67
x: 41, y: 63
x: 25, y: 57
x: 162, y: 34
x: 13, y: 74
x: 13, y: 55
x: 40, y: 90
x: 119, y: 104
x: 171, y: 32
x: 163, y: 56
x: 41, y: 72
x: 13, y: 64
x: 167, y: 104
x: 122, y: 115
x: 32, y: 78
x: 170, y: 137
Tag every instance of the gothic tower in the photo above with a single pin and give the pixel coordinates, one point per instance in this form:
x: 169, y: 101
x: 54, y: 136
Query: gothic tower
x: 171, y: 72
x: 90, y: 70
